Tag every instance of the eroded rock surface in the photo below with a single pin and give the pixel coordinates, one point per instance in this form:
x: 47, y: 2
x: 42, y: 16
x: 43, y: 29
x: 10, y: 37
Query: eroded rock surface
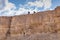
x: 4, y: 26
x: 35, y: 26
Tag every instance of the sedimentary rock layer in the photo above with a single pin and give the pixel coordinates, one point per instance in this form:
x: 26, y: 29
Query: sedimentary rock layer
x: 36, y: 23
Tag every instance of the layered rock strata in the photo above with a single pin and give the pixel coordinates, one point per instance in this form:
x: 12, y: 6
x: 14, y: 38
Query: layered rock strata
x: 30, y: 24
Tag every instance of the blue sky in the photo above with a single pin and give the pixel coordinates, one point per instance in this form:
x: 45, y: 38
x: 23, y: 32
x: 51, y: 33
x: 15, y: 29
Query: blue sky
x: 20, y: 1
x: 54, y: 2
x: 18, y: 7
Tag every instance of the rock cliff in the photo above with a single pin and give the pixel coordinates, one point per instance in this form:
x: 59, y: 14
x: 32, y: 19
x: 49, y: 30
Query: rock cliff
x: 30, y: 24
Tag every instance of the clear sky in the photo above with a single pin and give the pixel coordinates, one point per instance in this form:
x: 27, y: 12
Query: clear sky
x: 18, y: 7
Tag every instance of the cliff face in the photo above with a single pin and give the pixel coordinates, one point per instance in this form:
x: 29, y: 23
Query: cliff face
x: 41, y: 22
x: 4, y: 24
x: 48, y: 21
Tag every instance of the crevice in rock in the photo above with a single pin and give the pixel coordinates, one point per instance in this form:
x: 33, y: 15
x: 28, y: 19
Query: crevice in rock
x: 8, y: 33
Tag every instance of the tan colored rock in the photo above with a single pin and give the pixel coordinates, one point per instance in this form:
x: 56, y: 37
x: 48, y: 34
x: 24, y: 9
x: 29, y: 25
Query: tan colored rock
x: 36, y: 23
x: 4, y: 24
x: 41, y: 22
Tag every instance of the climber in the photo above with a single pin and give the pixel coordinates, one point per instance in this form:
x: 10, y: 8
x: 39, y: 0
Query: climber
x: 28, y: 12
x: 34, y: 12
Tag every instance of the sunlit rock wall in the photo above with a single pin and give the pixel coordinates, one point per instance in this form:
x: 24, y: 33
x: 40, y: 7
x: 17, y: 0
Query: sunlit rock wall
x: 30, y: 24
x: 4, y: 26
x: 41, y: 22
